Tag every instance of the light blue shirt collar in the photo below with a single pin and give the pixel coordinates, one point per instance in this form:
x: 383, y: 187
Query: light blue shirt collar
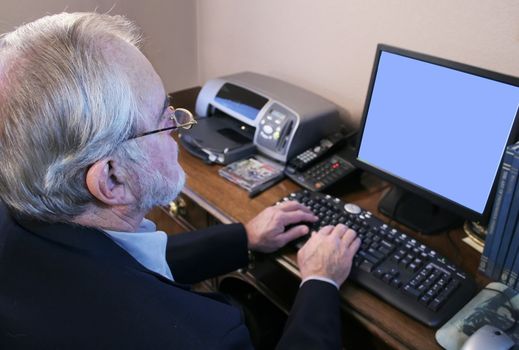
x: 147, y: 246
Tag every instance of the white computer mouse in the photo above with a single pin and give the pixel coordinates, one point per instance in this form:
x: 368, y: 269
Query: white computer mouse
x: 488, y: 337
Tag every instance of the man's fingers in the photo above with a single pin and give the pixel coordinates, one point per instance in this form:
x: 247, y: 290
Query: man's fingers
x: 293, y: 233
x: 340, y: 230
x: 326, y: 230
x: 354, y: 247
x: 292, y: 206
x: 294, y: 217
x: 349, y: 237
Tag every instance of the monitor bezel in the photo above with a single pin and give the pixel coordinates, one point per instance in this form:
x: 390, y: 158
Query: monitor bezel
x: 435, y: 198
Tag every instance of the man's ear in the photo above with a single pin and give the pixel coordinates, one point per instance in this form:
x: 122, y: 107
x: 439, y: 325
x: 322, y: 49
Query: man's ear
x: 105, y: 182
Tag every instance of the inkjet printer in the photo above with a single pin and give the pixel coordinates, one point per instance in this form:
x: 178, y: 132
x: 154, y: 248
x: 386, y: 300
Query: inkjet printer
x: 247, y: 113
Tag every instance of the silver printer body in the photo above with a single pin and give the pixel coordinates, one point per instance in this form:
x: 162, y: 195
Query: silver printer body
x: 285, y: 119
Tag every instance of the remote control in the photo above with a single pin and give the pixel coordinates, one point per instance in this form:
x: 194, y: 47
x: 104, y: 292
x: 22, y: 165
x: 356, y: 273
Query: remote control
x: 313, y: 154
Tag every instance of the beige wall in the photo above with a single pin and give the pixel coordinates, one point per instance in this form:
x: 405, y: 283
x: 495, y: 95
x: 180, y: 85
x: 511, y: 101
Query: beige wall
x: 16, y: 12
x: 168, y: 26
x: 328, y: 46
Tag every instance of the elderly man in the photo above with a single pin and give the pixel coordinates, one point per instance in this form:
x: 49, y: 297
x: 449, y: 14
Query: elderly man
x: 85, y: 154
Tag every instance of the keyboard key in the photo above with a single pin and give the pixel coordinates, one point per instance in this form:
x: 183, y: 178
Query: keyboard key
x: 424, y: 299
x: 395, y: 282
x: 412, y: 291
x: 397, y: 257
x: 387, y: 244
x: 450, y: 287
x: 422, y: 288
x: 368, y: 257
x: 375, y: 253
x: 366, y: 266
x: 413, y: 267
x: 387, y: 278
x: 384, y: 250
x: 436, y: 304
x: 379, y: 272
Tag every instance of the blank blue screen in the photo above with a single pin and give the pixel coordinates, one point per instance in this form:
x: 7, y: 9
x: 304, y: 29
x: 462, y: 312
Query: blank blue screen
x: 438, y: 128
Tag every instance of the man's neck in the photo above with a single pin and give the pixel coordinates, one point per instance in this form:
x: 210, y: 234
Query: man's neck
x: 121, y: 219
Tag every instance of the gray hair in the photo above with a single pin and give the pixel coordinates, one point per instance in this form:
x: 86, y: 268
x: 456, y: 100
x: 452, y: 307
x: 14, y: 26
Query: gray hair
x: 63, y: 107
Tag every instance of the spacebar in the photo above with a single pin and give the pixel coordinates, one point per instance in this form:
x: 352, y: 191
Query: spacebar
x: 372, y: 259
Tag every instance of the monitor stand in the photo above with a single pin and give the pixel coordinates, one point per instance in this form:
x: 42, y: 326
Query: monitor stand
x: 416, y: 212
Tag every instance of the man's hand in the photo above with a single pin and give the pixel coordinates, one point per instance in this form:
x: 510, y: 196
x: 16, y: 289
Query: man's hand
x: 329, y: 253
x: 266, y: 232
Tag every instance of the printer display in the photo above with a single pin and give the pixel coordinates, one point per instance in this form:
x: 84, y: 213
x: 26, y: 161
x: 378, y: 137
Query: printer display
x: 246, y: 113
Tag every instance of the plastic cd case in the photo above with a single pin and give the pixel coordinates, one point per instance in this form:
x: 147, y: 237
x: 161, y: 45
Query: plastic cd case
x: 254, y: 174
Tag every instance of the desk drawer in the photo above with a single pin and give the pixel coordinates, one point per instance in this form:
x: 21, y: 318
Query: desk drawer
x: 181, y: 215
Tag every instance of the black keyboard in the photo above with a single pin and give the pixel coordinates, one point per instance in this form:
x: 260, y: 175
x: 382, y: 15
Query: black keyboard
x: 405, y: 273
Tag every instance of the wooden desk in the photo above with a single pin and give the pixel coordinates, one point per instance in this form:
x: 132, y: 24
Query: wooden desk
x: 229, y: 203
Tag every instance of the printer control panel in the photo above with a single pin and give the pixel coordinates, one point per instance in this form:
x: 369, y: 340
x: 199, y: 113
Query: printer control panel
x: 270, y: 126
x: 275, y: 129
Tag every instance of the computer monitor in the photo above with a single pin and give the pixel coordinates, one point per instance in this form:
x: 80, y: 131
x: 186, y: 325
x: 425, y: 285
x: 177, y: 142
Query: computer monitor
x: 437, y: 130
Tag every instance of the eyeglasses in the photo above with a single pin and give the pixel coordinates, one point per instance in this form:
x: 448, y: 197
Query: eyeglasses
x: 181, y: 117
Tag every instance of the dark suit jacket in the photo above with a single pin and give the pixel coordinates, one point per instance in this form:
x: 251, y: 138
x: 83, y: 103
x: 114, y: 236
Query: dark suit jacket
x: 70, y: 287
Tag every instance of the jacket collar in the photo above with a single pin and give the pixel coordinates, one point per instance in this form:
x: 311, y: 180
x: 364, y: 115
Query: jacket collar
x: 87, y: 240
